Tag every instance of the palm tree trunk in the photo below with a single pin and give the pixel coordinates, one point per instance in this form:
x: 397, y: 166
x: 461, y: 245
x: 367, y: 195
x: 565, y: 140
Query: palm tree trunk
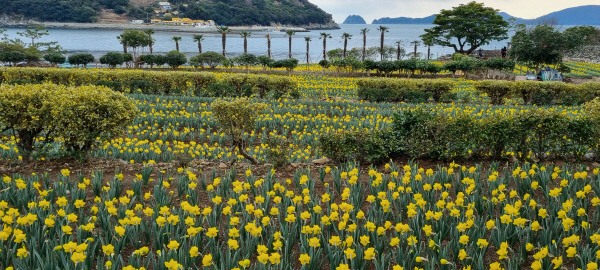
x: 415, y: 50
x: 325, y: 48
x: 245, y: 45
x: 269, y: 48
x: 307, y: 54
x: 381, y: 45
x: 345, y: 45
x: 398, y: 54
x: 199, y: 47
x: 428, y: 52
x: 364, y: 51
x: 223, y: 41
x: 290, y: 48
x: 150, y: 47
x: 177, y: 45
x: 124, y: 48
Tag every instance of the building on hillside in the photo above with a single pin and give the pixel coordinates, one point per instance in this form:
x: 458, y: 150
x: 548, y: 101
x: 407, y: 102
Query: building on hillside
x: 137, y: 22
x: 165, y: 6
x: 155, y: 21
x: 187, y: 21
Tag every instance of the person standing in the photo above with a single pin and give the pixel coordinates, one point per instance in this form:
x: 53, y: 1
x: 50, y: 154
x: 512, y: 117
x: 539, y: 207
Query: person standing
x: 503, y: 52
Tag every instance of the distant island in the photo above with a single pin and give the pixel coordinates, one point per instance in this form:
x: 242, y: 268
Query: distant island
x: 354, y: 19
x: 583, y: 15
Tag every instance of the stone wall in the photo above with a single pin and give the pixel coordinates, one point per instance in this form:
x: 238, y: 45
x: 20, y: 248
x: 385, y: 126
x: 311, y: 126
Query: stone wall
x: 590, y: 54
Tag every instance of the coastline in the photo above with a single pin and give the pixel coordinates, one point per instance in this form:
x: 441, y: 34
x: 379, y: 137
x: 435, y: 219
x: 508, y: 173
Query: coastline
x: 167, y: 28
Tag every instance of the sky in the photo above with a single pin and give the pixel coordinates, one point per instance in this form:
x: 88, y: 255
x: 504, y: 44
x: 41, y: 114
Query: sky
x: 375, y: 9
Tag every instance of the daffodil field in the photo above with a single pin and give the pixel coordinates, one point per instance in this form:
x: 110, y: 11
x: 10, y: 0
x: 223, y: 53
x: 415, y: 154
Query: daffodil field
x: 347, y: 217
x: 491, y: 215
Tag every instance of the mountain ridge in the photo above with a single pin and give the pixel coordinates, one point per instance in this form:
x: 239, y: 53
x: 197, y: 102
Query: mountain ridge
x: 582, y: 15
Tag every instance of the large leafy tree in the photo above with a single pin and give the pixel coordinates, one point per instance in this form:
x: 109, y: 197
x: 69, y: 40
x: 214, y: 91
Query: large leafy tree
x: 545, y: 45
x: 466, y: 28
x: 136, y: 40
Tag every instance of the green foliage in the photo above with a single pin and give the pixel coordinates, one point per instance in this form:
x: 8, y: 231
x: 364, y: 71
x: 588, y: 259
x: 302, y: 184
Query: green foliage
x: 289, y: 64
x: 394, y: 90
x: 278, y: 151
x: 373, y: 146
x: 12, y: 56
x: 537, y: 133
x: 498, y: 63
x: 469, y: 24
x: 157, y: 59
x: 89, y: 112
x: 544, y: 45
x: 175, y: 59
x: 547, y: 93
x: 112, y: 59
x: 81, y: 59
x: 211, y: 59
x: 218, y: 90
x: 49, y: 10
x: 257, y: 12
x: 324, y: 64
x: 55, y: 58
x: 77, y: 115
x: 496, y: 90
x: 246, y: 59
x: 235, y: 118
x: 264, y: 61
x: 145, y: 82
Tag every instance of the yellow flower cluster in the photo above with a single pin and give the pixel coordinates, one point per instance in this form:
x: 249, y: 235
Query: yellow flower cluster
x: 352, y: 219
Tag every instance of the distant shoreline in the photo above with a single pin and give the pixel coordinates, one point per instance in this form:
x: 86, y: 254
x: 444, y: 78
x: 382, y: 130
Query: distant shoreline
x: 161, y: 28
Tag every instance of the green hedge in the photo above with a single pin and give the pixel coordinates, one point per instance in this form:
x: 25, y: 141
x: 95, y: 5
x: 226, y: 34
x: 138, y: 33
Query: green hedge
x: 539, y: 93
x: 535, y: 134
x: 382, y: 89
x: 154, y: 82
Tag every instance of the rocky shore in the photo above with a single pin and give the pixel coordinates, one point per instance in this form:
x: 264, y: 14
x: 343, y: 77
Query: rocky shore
x: 165, y: 28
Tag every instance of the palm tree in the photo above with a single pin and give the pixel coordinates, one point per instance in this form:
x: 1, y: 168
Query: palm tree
x: 324, y: 36
x: 224, y: 30
x: 176, y: 39
x: 345, y: 37
x: 383, y: 30
x: 307, y: 39
x: 199, y: 39
x: 150, y: 32
x: 416, y: 43
x: 399, y: 43
x: 245, y: 35
x: 268, y: 36
x: 290, y: 33
x: 364, y: 32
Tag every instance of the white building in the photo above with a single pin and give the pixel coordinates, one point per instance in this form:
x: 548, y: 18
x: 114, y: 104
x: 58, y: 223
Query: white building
x: 164, y: 5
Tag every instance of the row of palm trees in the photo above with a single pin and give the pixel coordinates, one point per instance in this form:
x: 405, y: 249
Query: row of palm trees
x: 224, y: 30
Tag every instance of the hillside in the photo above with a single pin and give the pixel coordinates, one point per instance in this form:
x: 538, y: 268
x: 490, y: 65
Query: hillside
x: 583, y: 15
x: 225, y: 12
x: 354, y: 19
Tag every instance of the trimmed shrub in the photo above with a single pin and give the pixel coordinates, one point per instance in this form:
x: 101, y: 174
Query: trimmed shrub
x: 373, y: 146
x: 393, y: 90
x: 175, y: 59
x: 496, y: 90
x: 112, y: 59
x: 76, y: 115
x: 148, y: 82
